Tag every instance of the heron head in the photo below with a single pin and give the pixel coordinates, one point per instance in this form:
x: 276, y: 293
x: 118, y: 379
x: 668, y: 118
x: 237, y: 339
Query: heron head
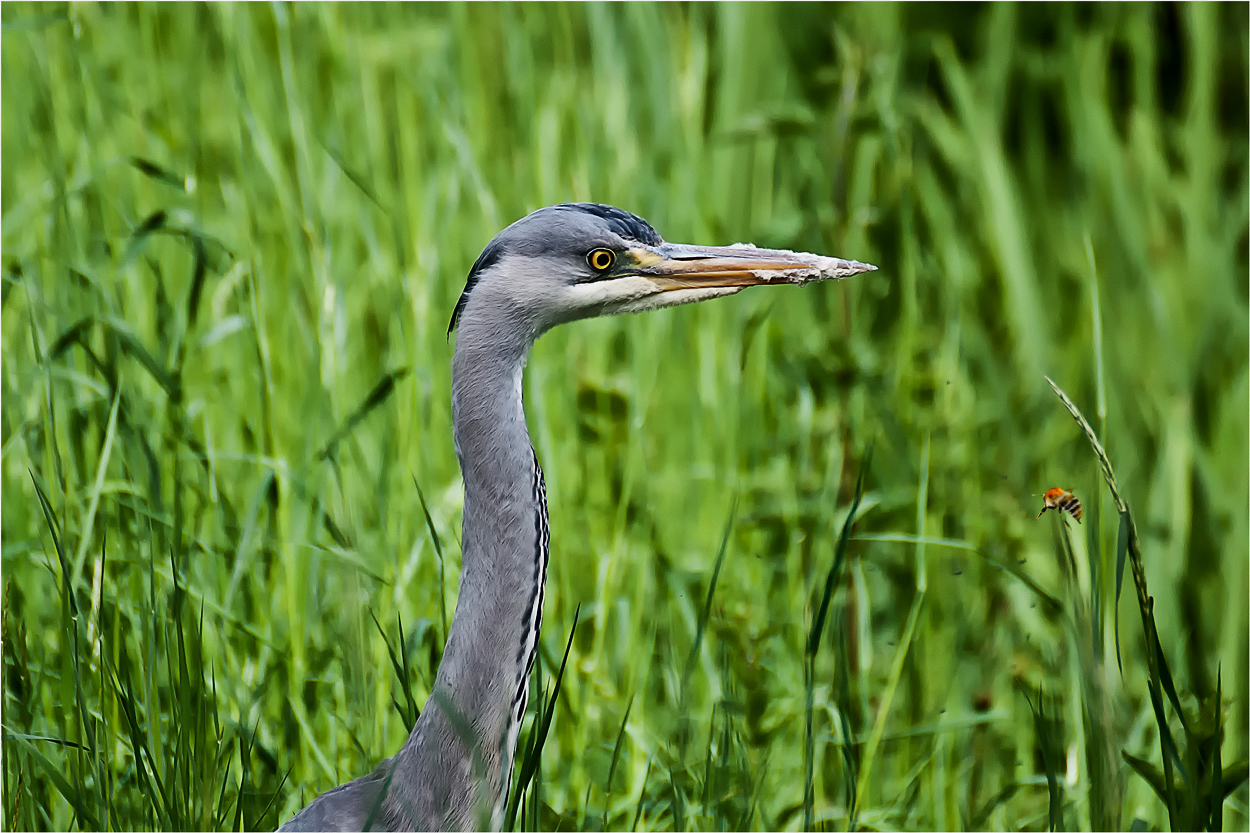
x: 581, y: 260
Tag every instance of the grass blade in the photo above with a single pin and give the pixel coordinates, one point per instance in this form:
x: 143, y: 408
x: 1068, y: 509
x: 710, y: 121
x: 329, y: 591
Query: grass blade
x: 438, y: 549
x: 834, y: 576
x: 616, y: 756
x: 1121, y: 554
x: 832, y: 580
x: 642, y: 794
x: 380, y: 393
x: 532, y: 760
x: 399, y: 664
x: 904, y: 643
x: 70, y: 792
x: 1052, y: 748
x: 706, y: 610
x: 1216, y: 820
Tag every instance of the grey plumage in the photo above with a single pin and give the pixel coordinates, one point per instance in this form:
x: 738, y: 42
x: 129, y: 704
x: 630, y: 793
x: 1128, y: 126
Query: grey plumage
x: 453, y: 771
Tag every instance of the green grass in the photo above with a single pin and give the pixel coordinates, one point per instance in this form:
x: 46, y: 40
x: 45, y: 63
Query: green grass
x: 232, y: 237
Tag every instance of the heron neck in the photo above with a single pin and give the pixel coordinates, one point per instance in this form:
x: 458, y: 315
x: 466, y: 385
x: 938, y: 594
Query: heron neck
x: 484, y: 672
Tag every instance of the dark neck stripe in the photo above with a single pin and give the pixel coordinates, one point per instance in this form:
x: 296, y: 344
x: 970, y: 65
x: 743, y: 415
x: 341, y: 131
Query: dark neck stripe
x: 531, y: 624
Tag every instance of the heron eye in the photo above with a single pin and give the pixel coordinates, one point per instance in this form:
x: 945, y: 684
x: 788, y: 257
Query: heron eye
x: 601, y: 260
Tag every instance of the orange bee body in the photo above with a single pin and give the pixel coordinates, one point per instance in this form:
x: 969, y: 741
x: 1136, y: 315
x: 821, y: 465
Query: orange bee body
x: 1061, y: 500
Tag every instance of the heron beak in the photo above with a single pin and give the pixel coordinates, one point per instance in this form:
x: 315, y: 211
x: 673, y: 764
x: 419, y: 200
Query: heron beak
x: 675, y: 266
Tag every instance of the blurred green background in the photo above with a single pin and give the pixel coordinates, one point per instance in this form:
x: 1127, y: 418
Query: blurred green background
x: 232, y: 240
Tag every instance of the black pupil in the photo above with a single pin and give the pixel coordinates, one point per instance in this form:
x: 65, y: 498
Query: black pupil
x: 601, y: 259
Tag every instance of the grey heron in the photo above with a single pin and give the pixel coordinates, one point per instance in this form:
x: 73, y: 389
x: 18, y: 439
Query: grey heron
x: 556, y: 265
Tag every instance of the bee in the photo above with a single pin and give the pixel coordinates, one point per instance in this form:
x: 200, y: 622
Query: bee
x: 1062, y: 500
